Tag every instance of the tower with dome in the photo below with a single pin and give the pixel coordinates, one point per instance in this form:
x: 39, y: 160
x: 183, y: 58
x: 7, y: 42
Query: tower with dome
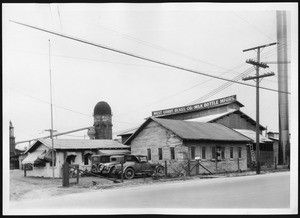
x: 102, y: 128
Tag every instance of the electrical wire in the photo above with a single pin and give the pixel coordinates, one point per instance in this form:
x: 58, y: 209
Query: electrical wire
x: 227, y: 84
x: 252, y: 26
x: 152, y: 45
x: 46, y: 102
x: 140, y: 57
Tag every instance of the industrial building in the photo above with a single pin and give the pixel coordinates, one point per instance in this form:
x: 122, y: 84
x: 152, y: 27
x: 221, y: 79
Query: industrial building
x: 177, y: 141
x: 225, y: 111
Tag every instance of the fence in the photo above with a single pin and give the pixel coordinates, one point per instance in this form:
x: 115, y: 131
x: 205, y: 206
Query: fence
x: 75, y: 171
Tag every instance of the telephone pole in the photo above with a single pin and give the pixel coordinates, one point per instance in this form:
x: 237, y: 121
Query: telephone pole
x: 257, y: 64
x: 51, y: 131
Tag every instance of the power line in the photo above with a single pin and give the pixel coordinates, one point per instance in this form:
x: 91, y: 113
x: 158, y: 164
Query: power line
x: 252, y: 25
x: 140, y: 57
x: 222, y: 87
x: 153, y: 45
x: 227, y: 84
x: 46, y: 102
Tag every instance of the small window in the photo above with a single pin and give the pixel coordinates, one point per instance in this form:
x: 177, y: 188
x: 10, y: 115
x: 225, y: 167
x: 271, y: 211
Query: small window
x: 159, y: 153
x: 240, y: 152
x: 213, y: 152
x: 223, y: 152
x: 149, y: 153
x: 203, y: 153
x: 192, y: 153
x: 231, y: 152
x: 172, y: 151
x: 86, y: 159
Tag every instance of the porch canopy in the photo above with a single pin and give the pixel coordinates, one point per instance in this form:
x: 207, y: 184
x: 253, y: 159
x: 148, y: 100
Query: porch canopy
x: 33, y: 156
x: 113, y: 152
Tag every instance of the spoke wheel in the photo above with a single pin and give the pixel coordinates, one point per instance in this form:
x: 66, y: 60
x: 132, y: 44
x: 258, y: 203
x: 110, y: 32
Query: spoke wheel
x: 129, y: 173
x: 100, y: 168
x: 94, y: 169
x: 159, y: 170
x: 112, y: 172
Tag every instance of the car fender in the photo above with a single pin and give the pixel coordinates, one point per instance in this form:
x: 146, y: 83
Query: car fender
x: 125, y: 168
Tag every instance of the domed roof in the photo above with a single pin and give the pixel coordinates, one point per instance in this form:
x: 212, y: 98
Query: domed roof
x: 102, y: 108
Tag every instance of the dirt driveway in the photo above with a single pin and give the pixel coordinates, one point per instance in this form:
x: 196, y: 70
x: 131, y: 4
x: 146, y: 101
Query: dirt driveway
x: 25, y: 188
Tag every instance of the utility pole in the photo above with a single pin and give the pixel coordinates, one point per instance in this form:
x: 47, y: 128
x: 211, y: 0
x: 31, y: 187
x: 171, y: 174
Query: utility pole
x: 52, y: 149
x: 51, y: 132
x: 257, y: 65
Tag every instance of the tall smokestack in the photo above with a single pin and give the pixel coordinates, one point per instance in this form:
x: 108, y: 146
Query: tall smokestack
x: 284, y: 142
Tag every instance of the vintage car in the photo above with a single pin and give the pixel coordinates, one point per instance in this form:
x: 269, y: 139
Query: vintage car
x: 99, y: 159
x: 106, y: 168
x: 137, y: 165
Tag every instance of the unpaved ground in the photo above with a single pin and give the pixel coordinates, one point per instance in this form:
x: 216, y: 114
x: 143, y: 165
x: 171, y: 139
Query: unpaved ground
x: 29, y: 188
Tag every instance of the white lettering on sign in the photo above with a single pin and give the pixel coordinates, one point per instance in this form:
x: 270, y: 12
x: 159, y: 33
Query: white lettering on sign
x: 200, y: 106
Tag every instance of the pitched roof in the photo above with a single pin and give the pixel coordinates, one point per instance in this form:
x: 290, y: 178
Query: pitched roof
x: 252, y: 135
x: 210, y: 118
x: 195, y: 130
x: 128, y: 131
x: 214, y: 117
x: 79, y: 144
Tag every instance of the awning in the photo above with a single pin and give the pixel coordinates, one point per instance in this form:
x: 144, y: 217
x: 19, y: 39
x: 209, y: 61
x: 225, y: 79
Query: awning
x: 87, y: 152
x: 113, y: 152
x: 71, y: 153
x: 32, y: 156
x: 47, y: 156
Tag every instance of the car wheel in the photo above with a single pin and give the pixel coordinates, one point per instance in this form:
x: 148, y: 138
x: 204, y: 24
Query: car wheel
x: 159, y: 170
x: 100, y: 168
x: 112, y: 171
x: 129, y: 173
x: 94, y: 168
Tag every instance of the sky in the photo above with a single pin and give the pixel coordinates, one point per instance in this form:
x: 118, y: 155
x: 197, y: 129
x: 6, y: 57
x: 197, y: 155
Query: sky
x: 208, y: 38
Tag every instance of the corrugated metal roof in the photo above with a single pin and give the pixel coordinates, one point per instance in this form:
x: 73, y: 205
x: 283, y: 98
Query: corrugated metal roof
x: 200, y: 130
x: 80, y: 144
x: 128, y: 131
x: 252, y: 135
x: 212, y: 117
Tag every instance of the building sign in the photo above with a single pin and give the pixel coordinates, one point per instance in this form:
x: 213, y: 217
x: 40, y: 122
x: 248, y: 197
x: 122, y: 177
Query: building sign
x: 195, y: 107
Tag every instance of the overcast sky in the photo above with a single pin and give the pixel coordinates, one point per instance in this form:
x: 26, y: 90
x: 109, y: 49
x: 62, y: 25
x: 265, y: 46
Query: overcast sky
x: 208, y: 38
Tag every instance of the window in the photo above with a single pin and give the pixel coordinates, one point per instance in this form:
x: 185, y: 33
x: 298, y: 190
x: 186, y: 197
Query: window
x: 213, y: 152
x: 223, y: 152
x: 172, y: 152
x: 159, y: 153
x: 203, y: 153
x: 149, y: 153
x: 86, y: 159
x: 240, y: 152
x: 192, y: 153
x: 231, y: 152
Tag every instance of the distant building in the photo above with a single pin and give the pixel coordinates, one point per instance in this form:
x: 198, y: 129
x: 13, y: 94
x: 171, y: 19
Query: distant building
x: 13, y: 155
x: 102, y: 128
x: 274, y: 136
x: 74, y: 151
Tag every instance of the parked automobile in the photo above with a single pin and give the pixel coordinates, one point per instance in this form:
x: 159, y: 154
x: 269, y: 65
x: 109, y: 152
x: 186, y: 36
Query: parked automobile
x: 99, y: 159
x: 106, y: 168
x: 137, y: 165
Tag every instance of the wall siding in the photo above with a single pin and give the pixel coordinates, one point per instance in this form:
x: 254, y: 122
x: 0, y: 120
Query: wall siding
x: 47, y: 170
x: 155, y: 136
